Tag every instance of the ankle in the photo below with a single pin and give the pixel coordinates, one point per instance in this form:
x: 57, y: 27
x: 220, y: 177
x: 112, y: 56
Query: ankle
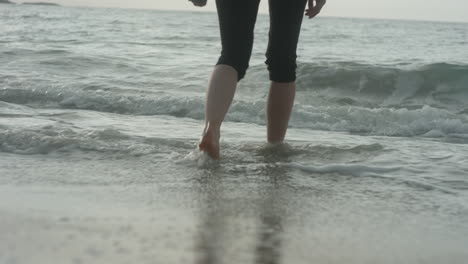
x: 274, y: 141
x: 212, y: 130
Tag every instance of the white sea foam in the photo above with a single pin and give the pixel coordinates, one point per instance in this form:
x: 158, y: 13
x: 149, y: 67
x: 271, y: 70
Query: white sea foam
x: 346, y: 169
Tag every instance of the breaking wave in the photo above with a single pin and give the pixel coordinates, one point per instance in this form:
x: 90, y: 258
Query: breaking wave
x: 426, y: 121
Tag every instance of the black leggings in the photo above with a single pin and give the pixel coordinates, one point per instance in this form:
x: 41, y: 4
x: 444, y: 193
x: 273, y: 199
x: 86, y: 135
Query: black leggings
x: 237, y: 21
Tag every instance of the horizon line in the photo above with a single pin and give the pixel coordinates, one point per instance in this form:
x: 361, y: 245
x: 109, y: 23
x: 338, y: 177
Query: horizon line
x: 260, y: 12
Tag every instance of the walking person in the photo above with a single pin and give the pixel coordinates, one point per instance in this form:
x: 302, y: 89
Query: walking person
x: 237, y: 21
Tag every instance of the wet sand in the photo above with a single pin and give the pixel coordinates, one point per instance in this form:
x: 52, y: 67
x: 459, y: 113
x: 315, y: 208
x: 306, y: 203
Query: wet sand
x: 209, y: 218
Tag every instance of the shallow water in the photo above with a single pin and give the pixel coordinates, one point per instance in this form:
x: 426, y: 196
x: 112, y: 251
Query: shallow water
x: 100, y: 117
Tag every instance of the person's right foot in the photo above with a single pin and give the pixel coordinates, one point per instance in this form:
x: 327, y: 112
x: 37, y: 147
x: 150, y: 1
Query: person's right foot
x: 209, y: 143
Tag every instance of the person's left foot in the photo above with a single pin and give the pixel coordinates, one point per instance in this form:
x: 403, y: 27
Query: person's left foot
x: 210, y: 144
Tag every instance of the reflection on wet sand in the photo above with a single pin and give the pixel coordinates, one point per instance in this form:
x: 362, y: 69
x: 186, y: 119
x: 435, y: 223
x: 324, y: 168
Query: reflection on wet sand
x: 212, y: 222
x: 214, y: 218
x: 271, y: 217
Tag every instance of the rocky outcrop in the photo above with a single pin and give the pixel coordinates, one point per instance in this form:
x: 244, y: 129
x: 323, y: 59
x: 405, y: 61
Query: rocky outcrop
x: 5, y: 2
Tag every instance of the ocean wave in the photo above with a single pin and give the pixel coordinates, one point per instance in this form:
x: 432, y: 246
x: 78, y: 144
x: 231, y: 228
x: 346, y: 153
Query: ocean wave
x: 440, y: 84
x: 50, y: 139
x: 42, y: 16
x: 425, y: 121
x: 317, y: 152
x: 40, y: 52
x: 344, y: 169
x: 363, y: 170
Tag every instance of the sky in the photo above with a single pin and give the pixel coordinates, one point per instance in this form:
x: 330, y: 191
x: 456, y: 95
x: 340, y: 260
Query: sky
x: 438, y: 10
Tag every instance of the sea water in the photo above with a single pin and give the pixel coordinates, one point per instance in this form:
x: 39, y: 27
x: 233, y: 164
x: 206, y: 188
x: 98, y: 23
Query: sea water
x: 101, y: 111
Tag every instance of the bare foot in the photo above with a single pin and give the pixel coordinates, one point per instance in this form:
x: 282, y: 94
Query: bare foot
x: 210, y: 144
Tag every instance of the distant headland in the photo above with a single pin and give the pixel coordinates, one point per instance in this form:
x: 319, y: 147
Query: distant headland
x: 30, y: 3
x: 40, y: 3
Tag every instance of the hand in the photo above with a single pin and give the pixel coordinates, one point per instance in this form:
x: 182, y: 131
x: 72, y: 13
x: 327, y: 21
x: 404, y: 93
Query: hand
x: 314, y: 10
x: 199, y: 3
